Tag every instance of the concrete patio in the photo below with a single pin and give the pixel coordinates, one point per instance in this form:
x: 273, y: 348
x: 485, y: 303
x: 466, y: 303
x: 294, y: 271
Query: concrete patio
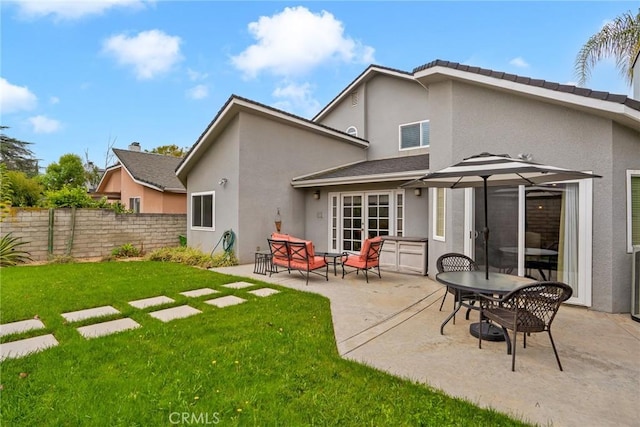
x: 393, y: 325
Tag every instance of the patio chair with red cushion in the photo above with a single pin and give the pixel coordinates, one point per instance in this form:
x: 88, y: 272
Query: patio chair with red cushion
x: 530, y: 308
x: 367, y: 259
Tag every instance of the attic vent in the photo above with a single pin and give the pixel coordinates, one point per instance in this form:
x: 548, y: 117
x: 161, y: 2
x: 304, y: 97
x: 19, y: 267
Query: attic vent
x: 352, y: 130
x: 354, y: 99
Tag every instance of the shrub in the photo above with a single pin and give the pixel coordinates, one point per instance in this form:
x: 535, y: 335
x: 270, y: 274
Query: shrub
x: 9, y: 252
x: 126, y: 251
x: 192, y: 256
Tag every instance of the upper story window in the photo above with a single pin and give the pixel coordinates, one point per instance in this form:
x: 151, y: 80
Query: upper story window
x: 414, y: 135
x: 202, y: 210
x: 352, y: 130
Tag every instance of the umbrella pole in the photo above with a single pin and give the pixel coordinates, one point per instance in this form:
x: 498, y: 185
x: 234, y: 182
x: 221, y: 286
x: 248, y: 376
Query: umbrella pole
x: 485, y: 232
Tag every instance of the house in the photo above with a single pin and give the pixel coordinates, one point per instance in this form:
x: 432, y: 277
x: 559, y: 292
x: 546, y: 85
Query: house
x: 143, y: 182
x: 336, y: 178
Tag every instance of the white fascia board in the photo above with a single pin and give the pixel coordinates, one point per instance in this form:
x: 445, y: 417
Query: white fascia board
x: 236, y: 104
x: 106, y: 172
x: 555, y: 96
x: 363, y: 179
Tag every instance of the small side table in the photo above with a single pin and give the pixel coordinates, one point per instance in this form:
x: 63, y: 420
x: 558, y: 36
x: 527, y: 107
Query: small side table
x: 328, y: 256
x: 262, y: 263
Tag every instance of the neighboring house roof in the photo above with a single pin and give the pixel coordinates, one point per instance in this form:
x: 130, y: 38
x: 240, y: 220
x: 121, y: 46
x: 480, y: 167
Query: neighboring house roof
x: 382, y: 170
x: 366, y: 75
x: 155, y: 171
x: 619, y: 108
x: 236, y: 104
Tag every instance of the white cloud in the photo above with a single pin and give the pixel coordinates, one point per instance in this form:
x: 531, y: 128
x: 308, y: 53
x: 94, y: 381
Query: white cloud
x: 43, y: 124
x: 297, y: 40
x: 296, y: 98
x: 15, y: 98
x: 70, y: 10
x: 150, y: 52
x: 519, y: 62
x: 54, y: 100
x: 198, y: 92
x: 196, y: 75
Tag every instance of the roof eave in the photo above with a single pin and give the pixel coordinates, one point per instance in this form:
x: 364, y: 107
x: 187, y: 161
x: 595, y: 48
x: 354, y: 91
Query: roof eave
x: 613, y: 110
x: 236, y: 105
x: 364, y: 179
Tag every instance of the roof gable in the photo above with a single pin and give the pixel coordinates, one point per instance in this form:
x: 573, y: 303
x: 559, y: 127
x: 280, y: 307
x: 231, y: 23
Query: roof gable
x: 156, y: 171
x: 366, y: 75
x: 617, y: 107
x: 233, y: 106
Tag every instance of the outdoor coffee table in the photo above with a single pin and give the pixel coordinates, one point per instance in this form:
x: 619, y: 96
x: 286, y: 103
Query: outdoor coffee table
x: 476, y: 282
x: 334, y: 256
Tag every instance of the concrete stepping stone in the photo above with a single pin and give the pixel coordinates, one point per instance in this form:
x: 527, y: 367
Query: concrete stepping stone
x: 20, y: 326
x: 225, y: 301
x: 264, y: 292
x: 108, y: 328
x: 239, y: 285
x: 76, y: 316
x: 169, y: 314
x: 199, y: 292
x: 20, y: 348
x: 151, y: 302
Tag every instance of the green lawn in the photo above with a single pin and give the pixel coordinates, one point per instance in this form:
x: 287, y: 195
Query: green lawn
x: 269, y: 362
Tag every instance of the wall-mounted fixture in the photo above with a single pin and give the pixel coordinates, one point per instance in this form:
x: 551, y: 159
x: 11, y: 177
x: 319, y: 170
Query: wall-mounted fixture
x: 316, y: 194
x: 223, y: 181
x: 278, y: 220
x: 417, y: 192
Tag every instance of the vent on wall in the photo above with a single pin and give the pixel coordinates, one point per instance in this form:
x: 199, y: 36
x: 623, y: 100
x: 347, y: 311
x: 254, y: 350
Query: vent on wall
x: 352, y: 130
x: 354, y: 98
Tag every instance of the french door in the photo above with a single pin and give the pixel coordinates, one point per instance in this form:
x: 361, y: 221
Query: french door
x: 356, y: 216
x: 542, y: 231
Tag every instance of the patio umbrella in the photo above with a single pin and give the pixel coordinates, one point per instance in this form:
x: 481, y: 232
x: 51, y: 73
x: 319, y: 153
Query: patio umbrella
x: 485, y: 169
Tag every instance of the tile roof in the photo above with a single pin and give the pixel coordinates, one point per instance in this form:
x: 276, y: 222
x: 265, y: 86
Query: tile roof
x: 373, y: 167
x: 154, y: 169
x: 604, y: 96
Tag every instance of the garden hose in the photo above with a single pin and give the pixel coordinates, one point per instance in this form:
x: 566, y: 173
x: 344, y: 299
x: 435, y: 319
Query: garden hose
x: 228, y: 238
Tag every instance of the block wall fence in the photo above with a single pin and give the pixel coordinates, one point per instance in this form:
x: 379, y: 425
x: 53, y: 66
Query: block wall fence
x: 89, y: 233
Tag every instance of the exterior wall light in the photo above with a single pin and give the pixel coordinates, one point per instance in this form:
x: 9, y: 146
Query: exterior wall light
x: 417, y: 192
x: 316, y: 194
x: 223, y: 181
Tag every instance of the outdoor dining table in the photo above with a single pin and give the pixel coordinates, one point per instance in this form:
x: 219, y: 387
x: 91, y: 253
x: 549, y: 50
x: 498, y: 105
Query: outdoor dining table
x: 476, y: 282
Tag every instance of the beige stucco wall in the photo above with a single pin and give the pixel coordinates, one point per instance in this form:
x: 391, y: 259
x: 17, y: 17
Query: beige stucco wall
x: 151, y: 201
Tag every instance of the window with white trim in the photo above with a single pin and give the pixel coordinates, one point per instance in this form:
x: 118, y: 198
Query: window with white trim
x: 134, y: 204
x: 439, y: 213
x: 203, y: 210
x: 414, y: 135
x: 633, y: 209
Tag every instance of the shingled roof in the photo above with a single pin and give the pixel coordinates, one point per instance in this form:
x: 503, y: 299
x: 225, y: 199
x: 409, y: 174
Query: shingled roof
x: 391, y: 169
x: 600, y: 95
x: 154, y: 170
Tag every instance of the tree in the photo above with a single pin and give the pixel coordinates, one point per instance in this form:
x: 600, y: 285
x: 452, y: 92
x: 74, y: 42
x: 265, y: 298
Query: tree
x: 619, y: 39
x: 17, y: 155
x: 24, y: 191
x: 169, y: 150
x: 69, y: 171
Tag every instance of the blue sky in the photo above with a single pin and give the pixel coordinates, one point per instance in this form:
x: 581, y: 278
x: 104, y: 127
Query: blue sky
x: 78, y: 76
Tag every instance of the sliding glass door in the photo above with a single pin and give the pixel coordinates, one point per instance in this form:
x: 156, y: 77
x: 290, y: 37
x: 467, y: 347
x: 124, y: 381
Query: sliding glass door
x: 543, y: 232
